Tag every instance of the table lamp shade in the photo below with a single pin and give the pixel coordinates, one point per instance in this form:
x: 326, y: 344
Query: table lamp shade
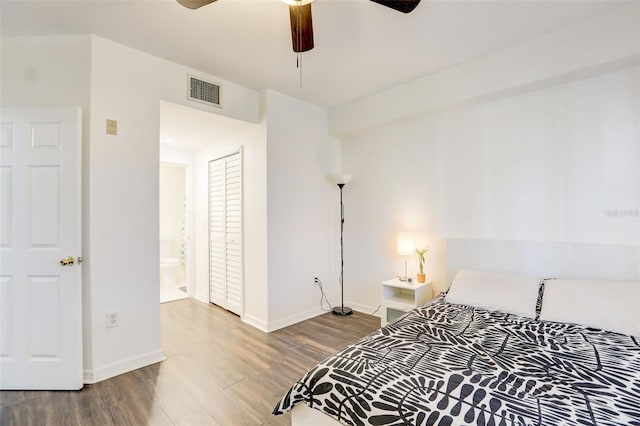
x: 406, y: 244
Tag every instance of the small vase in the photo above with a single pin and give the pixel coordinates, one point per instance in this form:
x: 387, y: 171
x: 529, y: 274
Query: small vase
x: 421, y: 277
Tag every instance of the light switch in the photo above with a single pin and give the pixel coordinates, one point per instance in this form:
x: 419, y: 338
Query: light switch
x: 112, y: 127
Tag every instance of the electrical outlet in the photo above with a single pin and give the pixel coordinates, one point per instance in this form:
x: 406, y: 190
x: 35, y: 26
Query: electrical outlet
x: 316, y: 280
x: 112, y: 319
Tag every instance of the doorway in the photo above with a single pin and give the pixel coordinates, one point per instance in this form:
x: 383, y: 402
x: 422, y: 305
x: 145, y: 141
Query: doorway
x: 193, y: 138
x: 173, y: 232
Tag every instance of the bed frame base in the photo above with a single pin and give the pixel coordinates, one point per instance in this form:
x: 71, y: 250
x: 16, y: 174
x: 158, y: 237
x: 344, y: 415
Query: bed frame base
x: 302, y: 415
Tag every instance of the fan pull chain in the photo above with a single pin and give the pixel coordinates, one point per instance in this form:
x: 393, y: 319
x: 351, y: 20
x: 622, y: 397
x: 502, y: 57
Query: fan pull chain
x: 299, y: 60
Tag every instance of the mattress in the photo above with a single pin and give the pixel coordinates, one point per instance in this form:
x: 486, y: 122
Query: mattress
x: 448, y: 364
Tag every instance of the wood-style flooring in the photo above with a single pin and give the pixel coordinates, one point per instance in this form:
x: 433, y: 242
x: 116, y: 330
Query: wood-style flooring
x: 218, y: 371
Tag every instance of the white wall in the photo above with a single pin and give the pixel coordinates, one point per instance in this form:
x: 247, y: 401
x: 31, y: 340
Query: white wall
x: 128, y: 85
x: 549, y: 165
x: 301, y: 208
x: 538, y: 141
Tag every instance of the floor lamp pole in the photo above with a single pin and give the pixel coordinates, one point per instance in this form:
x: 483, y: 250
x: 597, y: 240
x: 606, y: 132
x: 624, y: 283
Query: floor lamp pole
x: 341, y: 310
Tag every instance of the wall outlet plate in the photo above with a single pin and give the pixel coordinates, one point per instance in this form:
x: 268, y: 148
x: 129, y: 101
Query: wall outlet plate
x: 112, y: 319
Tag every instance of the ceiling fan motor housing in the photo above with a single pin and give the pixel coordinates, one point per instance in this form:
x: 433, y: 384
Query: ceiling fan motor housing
x: 301, y: 27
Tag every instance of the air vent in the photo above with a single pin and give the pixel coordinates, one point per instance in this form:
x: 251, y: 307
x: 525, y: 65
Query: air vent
x: 204, y: 91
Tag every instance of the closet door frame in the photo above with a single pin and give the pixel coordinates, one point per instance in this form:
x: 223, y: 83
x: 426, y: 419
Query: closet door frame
x: 225, y: 157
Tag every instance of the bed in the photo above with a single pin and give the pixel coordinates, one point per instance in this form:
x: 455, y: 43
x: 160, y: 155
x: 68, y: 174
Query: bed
x: 486, y: 354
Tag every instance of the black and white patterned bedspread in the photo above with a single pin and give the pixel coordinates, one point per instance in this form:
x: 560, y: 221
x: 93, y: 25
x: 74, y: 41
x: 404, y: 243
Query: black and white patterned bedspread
x: 445, y: 364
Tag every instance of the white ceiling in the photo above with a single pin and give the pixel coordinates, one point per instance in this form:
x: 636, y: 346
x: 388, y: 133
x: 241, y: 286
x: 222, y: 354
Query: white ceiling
x: 360, y: 46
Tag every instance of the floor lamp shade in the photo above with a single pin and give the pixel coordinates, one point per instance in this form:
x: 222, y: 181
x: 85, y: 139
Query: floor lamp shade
x: 341, y: 180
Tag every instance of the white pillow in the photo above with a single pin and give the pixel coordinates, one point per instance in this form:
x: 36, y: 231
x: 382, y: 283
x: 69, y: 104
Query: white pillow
x: 496, y: 291
x: 607, y: 305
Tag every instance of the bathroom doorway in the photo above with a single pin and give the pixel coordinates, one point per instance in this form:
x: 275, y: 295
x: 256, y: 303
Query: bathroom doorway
x: 173, y: 232
x: 191, y: 138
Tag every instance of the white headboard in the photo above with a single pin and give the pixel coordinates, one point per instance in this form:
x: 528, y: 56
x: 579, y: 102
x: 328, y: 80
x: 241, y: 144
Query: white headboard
x: 545, y: 259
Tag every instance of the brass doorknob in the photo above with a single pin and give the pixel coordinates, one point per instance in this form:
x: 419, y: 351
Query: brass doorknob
x: 66, y: 261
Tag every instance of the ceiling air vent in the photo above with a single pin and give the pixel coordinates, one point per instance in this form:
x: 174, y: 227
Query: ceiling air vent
x: 204, y: 91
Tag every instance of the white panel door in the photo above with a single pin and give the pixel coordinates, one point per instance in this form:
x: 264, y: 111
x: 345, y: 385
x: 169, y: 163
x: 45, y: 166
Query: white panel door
x: 40, y: 299
x: 225, y: 225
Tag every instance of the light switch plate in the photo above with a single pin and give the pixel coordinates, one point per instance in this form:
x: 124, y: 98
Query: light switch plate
x: 112, y: 127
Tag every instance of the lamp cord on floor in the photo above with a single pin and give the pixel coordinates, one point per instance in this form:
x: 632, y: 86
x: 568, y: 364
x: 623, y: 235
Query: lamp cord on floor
x: 323, y: 297
x: 371, y: 314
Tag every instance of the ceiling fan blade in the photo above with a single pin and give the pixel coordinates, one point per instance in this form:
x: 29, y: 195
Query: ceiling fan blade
x: 301, y: 27
x: 404, y: 6
x: 194, y: 4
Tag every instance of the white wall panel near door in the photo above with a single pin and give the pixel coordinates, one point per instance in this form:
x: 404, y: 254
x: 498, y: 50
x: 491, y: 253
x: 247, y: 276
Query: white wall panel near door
x: 225, y: 232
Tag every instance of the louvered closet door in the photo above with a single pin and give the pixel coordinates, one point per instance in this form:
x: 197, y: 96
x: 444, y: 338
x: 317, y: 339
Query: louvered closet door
x: 234, y: 233
x: 225, y: 224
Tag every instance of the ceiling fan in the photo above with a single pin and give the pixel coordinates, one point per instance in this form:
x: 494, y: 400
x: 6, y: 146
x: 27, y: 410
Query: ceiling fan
x: 300, y: 17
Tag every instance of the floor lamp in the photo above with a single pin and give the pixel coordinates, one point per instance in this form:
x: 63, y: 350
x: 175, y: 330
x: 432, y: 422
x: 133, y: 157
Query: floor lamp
x: 341, y: 181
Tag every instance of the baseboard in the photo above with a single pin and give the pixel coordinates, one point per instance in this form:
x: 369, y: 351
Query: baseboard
x: 255, y: 322
x: 268, y: 327
x: 364, y: 309
x: 201, y: 298
x: 120, y: 367
x: 294, y: 319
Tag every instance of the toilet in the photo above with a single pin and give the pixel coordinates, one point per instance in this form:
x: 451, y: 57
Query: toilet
x: 169, y: 266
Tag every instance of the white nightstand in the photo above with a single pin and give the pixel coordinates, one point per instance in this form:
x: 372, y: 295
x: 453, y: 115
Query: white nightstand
x: 399, y: 297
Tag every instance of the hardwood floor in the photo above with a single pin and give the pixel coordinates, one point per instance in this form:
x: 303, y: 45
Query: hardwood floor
x: 218, y: 371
